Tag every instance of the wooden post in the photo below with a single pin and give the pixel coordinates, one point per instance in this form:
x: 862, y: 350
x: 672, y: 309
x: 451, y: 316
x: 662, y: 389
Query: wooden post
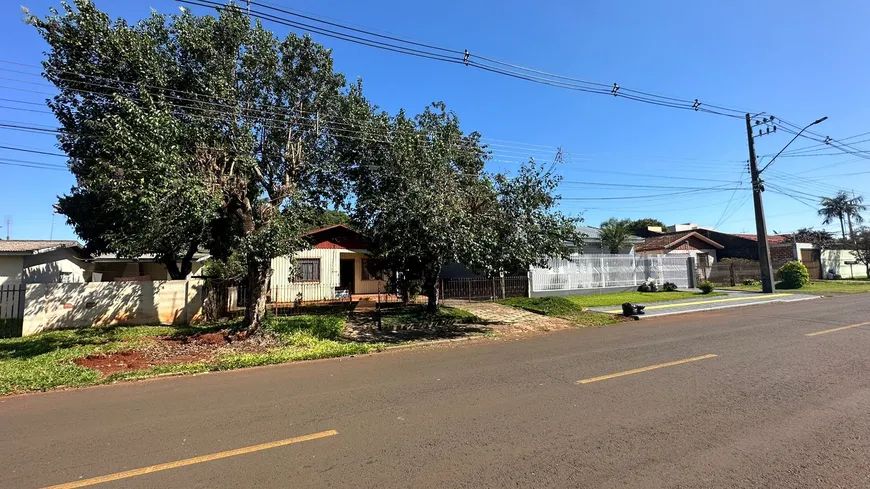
x: 494, y: 297
x: 733, y: 280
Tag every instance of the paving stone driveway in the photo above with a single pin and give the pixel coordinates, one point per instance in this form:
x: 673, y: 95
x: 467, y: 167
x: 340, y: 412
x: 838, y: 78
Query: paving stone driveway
x: 495, y: 313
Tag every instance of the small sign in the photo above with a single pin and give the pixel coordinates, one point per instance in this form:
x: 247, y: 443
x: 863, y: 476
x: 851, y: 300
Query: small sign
x: 67, y: 306
x: 850, y: 262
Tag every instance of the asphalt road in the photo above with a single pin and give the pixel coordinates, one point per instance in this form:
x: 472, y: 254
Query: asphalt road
x: 773, y: 408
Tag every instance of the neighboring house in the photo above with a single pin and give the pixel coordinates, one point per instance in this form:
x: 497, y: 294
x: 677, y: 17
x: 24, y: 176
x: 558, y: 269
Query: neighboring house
x: 592, y: 242
x: 110, y: 267
x: 336, y: 265
x: 42, y: 261
x: 691, y: 243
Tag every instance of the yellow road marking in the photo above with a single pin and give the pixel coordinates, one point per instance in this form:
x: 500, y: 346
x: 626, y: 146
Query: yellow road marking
x: 191, y: 461
x: 711, y: 301
x: 841, y: 328
x: 645, y: 369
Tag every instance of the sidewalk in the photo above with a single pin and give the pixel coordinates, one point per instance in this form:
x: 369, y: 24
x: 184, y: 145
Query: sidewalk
x: 733, y: 299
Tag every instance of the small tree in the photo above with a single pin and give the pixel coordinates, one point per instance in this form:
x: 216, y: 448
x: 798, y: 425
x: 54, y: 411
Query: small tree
x: 862, y: 247
x: 614, y: 233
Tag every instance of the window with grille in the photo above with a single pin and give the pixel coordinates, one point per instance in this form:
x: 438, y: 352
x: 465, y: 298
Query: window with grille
x: 309, y: 270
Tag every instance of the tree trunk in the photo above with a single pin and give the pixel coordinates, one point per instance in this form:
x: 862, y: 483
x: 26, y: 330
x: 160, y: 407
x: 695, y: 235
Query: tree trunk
x: 255, y: 310
x: 851, y: 231
x: 170, y: 262
x: 430, y: 287
x: 843, y: 228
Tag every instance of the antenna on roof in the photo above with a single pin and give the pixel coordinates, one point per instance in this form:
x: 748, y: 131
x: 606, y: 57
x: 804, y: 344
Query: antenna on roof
x: 8, y: 226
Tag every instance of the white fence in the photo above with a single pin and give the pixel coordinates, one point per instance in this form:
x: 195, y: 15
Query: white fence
x: 600, y: 271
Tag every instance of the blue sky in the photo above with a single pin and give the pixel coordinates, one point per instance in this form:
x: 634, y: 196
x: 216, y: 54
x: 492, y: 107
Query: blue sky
x: 795, y: 59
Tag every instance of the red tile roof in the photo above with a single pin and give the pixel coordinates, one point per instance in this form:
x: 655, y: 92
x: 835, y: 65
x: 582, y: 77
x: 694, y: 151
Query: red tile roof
x: 771, y: 239
x: 670, y: 240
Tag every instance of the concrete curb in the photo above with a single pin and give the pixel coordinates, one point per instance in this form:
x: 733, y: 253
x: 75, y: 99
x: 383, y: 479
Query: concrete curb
x: 729, y: 306
x: 424, y: 344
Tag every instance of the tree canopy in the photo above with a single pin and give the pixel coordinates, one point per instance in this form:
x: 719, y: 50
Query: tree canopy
x: 614, y: 233
x: 640, y: 225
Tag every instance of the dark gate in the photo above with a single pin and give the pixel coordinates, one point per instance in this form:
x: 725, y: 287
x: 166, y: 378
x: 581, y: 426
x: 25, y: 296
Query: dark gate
x: 11, y: 310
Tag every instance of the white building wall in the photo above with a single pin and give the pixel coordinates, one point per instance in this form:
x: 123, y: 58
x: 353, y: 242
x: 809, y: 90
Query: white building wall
x: 61, y: 265
x: 11, y: 269
x: 282, y: 289
x: 836, y: 260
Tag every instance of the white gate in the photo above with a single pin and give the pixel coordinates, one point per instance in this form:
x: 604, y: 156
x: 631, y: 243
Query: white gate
x: 600, y: 271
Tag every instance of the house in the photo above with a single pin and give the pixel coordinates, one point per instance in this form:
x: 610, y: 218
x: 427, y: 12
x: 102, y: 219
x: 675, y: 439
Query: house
x: 336, y: 266
x: 42, y: 261
x: 110, y: 267
x: 691, y: 243
x: 592, y: 242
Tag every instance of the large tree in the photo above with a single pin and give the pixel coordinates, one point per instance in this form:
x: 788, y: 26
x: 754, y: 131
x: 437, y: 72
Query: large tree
x: 854, y: 207
x: 423, y: 198
x: 243, y: 115
x: 641, y: 225
x: 139, y: 190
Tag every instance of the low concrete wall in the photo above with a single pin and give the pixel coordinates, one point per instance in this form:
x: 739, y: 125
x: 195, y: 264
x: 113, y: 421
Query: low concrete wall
x: 590, y: 291
x: 836, y: 259
x: 60, y: 306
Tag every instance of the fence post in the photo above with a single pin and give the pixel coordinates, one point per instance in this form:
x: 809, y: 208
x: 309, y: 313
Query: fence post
x: 469, y: 289
x: 530, y: 288
x: 733, y: 281
x: 661, y: 272
x: 494, y: 297
x: 603, y: 274
x: 634, y: 269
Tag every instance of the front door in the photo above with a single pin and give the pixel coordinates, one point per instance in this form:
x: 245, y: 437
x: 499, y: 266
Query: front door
x: 346, y: 274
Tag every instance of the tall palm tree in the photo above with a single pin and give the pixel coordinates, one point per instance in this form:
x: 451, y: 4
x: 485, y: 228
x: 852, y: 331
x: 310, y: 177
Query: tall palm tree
x: 854, y: 208
x: 614, y: 233
x: 835, y: 208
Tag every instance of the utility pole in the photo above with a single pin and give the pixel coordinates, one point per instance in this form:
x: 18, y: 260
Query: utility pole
x: 760, y: 223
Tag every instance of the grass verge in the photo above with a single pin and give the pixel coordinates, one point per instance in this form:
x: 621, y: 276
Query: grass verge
x: 617, y: 299
x: 562, y: 307
x: 821, y: 287
x: 46, y: 361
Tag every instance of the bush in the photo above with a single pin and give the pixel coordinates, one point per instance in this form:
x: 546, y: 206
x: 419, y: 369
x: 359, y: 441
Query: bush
x: 669, y: 286
x: 750, y: 281
x: 793, y: 275
x: 706, y: 286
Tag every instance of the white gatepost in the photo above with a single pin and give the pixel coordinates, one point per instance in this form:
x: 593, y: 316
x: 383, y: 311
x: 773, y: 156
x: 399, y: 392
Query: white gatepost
x: 603, y: 274
x: 634, y: 268
x: 661, y: 277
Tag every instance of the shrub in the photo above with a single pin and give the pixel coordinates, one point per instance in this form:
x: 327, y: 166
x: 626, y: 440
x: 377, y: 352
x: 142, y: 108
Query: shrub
x: 644, y: 287
x: 793, y: 275
x: 750, y: 281
x: 669, y: 286
x: 706, y: 286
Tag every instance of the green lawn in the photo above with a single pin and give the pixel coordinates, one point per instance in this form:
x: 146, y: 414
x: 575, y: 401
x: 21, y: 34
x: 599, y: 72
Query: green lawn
x: 822, y: 287
x: 618, y: 299
x: 45, y: 361
x: 562, y: 307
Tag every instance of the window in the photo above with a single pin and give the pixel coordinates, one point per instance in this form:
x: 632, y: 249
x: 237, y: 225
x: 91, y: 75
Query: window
x: 309, y: 269
x: 368, y: 270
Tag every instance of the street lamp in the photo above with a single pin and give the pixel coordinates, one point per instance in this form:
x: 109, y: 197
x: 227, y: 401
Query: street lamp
x: 817, y: 121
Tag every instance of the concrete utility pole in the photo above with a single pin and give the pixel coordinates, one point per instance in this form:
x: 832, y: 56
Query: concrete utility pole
x: 760, y: 223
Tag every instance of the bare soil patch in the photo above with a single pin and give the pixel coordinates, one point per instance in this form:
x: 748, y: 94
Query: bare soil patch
x: 170, y: 350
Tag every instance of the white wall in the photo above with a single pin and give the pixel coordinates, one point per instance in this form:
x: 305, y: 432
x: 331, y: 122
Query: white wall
x: 60, y: 306
x: 56, y: 266
x: 11, y: 269
x: 836, y: 259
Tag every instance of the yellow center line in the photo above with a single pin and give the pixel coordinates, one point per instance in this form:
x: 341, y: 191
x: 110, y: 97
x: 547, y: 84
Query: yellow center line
x: 191, y: 461
x: 711, y: 301
x: 645, y: 369
x: 841, y: 328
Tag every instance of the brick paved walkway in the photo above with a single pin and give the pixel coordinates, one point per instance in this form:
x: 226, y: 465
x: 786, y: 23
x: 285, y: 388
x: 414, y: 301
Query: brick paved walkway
x: 495, y: 313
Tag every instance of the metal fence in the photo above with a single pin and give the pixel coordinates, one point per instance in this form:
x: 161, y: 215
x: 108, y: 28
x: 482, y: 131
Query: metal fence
x: 604, y: 271
x: 484, y: 288
x: 11, y: 310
